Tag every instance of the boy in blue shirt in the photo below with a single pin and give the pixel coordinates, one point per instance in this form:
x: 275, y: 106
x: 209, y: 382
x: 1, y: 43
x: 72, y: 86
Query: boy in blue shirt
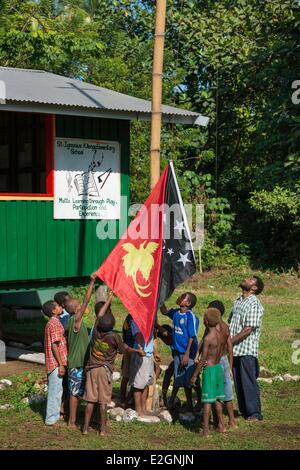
x: 61, y: 298
x: 184, y: 347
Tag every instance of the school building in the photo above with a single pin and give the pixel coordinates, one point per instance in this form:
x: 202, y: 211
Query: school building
x: 64, y: 165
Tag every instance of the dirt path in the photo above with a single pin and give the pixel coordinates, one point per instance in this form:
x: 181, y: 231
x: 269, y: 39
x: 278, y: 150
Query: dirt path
x: 19, y: 367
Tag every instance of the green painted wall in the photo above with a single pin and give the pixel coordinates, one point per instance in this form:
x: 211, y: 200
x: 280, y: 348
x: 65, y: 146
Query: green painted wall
x: 35, y: 247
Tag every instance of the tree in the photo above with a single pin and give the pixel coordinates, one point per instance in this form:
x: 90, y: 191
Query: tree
x: 232, y: 61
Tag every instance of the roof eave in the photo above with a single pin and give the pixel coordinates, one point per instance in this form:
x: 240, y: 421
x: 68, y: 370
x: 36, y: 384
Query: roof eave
x: 30, y: 107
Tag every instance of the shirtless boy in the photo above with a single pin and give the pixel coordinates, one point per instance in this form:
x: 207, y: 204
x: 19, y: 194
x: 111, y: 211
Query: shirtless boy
x: 226, y: 361
x: 212, y: 377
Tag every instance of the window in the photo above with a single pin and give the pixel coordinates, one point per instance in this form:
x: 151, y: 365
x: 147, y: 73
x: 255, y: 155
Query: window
x: 23, y: 153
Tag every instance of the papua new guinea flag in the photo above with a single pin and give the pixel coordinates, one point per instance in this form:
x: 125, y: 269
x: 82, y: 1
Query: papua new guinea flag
x: 154, y: 255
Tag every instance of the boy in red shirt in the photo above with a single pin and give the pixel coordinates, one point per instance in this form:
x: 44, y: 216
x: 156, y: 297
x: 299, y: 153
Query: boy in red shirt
x: 55, y: 359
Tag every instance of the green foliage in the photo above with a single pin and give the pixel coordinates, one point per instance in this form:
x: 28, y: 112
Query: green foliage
x: 276, y: 206
x: 232, y: 61
x: 214, y: 256
x: 23, y: 386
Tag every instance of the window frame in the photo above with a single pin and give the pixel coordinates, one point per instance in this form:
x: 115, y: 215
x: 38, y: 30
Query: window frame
x: 49, y: 167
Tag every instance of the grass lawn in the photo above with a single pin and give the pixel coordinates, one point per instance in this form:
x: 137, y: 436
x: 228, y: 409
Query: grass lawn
x: 23, y: 428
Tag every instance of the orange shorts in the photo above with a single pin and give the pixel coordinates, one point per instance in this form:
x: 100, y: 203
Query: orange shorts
x: 98, y: 385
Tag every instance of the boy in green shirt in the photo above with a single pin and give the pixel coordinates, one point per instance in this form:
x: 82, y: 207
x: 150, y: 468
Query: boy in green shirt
x: 78, y: 343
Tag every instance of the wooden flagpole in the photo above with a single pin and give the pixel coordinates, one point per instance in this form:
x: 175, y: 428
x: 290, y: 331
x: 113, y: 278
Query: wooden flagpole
x: 157, y: 78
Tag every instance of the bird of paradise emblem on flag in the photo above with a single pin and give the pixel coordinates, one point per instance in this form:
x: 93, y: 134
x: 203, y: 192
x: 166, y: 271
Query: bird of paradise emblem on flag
x: 139, y: 260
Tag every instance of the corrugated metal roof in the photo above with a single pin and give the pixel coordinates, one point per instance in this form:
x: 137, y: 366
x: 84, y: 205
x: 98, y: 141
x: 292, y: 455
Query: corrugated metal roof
x: 44, y: 88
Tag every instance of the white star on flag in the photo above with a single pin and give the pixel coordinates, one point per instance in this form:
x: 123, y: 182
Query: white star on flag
x: 179, y: 225
x: 170, y: 251
x: 183, y: 259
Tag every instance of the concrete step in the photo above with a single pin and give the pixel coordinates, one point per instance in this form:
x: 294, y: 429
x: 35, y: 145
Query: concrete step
x: 25, y: 355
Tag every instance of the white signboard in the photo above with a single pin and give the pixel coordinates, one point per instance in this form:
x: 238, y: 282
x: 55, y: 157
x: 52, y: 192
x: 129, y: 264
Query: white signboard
x: 87, y: 179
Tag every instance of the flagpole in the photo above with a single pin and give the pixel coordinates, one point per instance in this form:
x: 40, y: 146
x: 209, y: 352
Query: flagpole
x: 157, y: 78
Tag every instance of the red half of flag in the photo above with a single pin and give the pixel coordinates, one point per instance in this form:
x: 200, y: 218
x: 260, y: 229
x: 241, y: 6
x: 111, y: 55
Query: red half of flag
x: 154, y: 256
x: 132, y: 269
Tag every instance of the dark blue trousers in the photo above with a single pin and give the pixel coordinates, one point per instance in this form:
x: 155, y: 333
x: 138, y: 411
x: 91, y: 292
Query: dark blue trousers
x: 245, y: 373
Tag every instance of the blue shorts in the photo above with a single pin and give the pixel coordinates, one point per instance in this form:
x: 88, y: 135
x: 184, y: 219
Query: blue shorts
x: 224, y: 363
x: 76, y: 381
x: 183, y: 375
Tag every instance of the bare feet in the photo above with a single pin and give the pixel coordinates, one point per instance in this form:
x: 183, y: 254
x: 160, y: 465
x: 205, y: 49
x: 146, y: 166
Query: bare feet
x: 233, y: 424
x: 85, y: 431
x: 147, y: 413
x: 221, y: 429
x: 72, y: 425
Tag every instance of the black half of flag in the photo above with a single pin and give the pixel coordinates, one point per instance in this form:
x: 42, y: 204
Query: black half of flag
x: 178, y: 259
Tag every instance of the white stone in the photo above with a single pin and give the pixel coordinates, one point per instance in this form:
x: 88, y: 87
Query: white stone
x: 129, y: 415
x: 291, y: 378
x: 25, y: 400
x: 40, y: 387
x: 7, y: 383
x: 116, y: 376
x: 278, y: 377
x: 115, y: 412
x: 165, y: 416
x: 264, y: 380
x: 27, y: 356
x: 118, y: 418
x: 7, y: 406
x: 149, y: 419
x: 111, y: 405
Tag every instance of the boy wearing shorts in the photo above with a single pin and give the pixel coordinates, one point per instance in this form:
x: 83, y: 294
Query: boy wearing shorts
x: 105, y: 345
x: 212, y: 377
x: 141, y: 370
x: 226, y: 361
x: 185, y: 327
x: 78, y: 342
